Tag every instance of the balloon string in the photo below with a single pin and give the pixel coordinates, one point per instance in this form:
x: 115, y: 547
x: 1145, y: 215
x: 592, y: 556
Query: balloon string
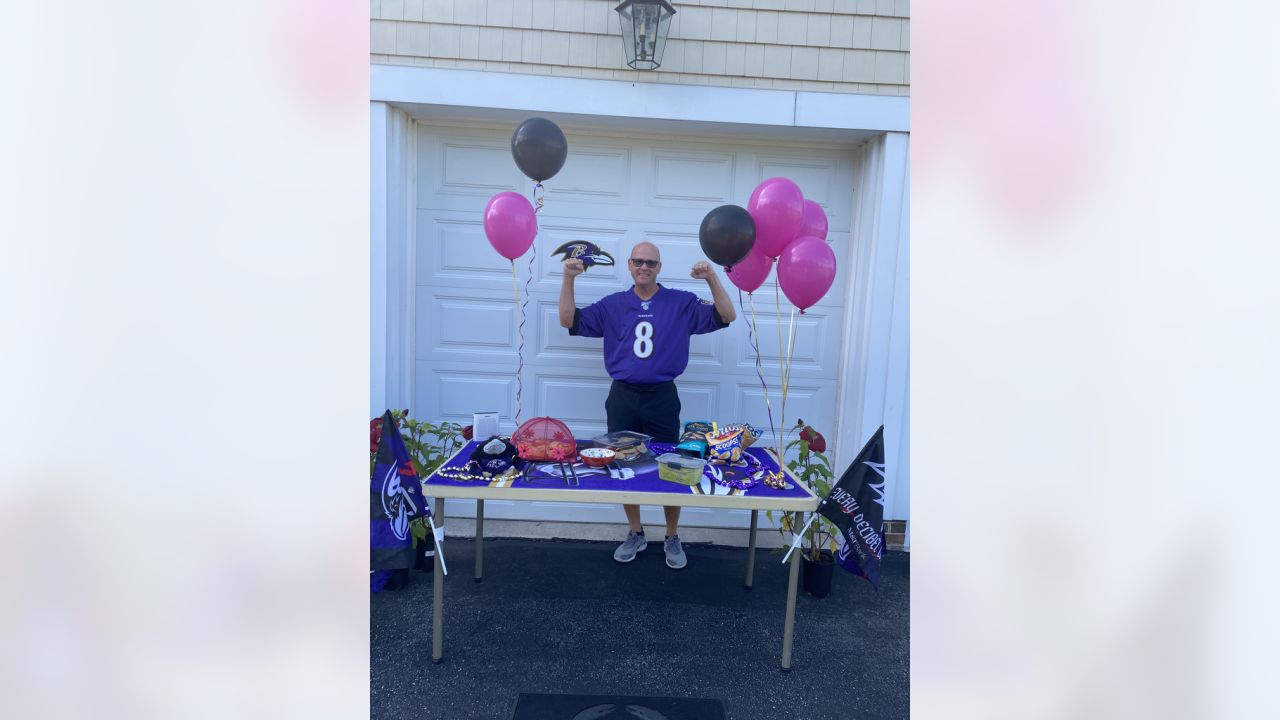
x: 524, y: 314
x: 755, y: 344
x: 785, y: 363
x: 538, y: 192
x: 782, y: 410
x: 791, y: 339
x: 786, y: 384
x: 515, y: 285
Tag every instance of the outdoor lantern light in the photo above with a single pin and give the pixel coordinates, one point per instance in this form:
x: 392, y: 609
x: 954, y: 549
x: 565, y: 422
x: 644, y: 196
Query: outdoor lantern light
x: 644, y: 31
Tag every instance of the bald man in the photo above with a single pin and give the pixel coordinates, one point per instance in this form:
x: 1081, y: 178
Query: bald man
x: 646, y: 332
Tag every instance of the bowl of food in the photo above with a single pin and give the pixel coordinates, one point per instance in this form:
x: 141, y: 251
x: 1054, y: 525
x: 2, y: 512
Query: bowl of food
x: 596, y: 457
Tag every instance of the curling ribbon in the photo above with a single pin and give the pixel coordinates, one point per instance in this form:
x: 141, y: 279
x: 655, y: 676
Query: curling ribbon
x: 515, y: 286
x: 786, y: 377
x: 755, y: 344
x: 538, y: 194
x: 538, y: 199
x: 782, y: 410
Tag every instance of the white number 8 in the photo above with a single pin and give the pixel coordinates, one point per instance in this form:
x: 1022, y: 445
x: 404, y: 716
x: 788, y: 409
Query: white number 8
x: 644, y: 340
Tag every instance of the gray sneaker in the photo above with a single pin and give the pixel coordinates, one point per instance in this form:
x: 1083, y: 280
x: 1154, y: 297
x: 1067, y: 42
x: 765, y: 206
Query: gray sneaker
x: 675, y: 554
x: 635, y: 543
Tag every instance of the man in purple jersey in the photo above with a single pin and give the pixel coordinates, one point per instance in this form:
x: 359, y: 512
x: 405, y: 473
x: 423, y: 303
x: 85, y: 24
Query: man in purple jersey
x: 646, y: 332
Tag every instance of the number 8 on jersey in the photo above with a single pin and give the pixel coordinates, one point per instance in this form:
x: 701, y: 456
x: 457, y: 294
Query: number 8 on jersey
x: 643, y: 346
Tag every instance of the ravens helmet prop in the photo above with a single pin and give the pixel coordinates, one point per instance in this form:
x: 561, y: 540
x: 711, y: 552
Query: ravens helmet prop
x: 588, y: 252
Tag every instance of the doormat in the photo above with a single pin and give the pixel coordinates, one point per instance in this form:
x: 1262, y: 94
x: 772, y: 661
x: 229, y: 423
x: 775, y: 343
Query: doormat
x: 540, y: 706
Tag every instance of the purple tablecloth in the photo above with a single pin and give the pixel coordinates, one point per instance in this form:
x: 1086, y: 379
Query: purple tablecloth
x: 633, y: 476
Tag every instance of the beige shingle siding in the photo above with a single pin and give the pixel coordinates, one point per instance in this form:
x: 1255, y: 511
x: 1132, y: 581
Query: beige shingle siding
x: 851, y: 46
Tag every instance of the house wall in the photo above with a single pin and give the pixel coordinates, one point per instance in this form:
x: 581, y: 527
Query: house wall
x: 841, y: 46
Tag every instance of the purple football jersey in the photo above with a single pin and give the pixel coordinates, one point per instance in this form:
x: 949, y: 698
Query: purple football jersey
x: 646, y: 341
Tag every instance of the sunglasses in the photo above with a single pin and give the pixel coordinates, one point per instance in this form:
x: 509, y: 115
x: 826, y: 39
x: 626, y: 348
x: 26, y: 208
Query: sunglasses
x: 645, y: 263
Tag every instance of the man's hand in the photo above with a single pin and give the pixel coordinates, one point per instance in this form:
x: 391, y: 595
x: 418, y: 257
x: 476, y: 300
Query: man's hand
x: 702, y: 271
x: 573, y: 267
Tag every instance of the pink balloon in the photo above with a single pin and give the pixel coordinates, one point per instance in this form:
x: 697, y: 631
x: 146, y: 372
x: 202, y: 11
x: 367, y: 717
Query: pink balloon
x: 777, y: 206
x: 510, y: 224
x: 751, y: 271
x: 806, y: 270
x: 815, y: 221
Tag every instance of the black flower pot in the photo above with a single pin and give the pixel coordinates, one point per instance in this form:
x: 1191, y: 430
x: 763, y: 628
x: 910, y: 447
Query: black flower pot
x: 424, y: 556
x: 397, y: 580
x: 817, y: 574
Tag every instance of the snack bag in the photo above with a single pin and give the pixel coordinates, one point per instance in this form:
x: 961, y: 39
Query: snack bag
x: 749, y: 433
x: 725, y: 447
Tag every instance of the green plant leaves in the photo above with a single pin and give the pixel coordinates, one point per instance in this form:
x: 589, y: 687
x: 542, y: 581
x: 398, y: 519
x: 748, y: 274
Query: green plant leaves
x: 428, y: 444
x: 814, y: 470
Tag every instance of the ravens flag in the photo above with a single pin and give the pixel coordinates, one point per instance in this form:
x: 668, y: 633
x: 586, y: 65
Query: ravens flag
x: 395, y: 498
x: 856, y: 506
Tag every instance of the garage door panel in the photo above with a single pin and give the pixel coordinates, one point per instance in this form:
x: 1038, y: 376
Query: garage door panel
x: 809, y: 351
x: 823, y: 180
x: 812, y: 402
x: 464, y: 167
x: 455, y: 391
x: 574, y: 400
x: 609, y: 237
x: 597, y: 174
x: 455, y: 325
x: 835, y: 296
x: 699, y: 399
x: 453, y: 250
x: 689, y: 179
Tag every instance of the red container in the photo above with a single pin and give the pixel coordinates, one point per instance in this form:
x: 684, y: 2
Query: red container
x: 596, y: 457
x: 544, y: 439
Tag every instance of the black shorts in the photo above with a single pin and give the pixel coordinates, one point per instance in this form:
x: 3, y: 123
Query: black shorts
x: 650, y: 409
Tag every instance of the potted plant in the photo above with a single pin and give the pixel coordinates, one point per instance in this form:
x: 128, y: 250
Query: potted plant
x: 812, y: 467
x: 429, y: 446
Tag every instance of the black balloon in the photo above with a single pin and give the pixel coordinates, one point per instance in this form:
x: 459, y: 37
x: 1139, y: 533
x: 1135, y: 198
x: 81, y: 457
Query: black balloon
x: 539, y: 148
x: 727, y: 235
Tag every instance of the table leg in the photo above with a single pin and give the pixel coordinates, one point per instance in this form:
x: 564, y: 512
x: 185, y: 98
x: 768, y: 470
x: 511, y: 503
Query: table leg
x: 479, y: 540
x: 751, y: 549
x: 437, y: 604
x: 789, y: 626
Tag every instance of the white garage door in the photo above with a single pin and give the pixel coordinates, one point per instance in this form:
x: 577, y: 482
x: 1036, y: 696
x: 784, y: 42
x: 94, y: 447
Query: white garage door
x: 615, y: 191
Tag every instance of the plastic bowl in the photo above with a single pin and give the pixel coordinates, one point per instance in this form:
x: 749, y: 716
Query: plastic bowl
x: 627, y: 444
x: 596, y: 457
x: 680, y: 469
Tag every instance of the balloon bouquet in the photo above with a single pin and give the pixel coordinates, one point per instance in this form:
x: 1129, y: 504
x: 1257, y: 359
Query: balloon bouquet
x: 778, y: 226
x: 539, y: 149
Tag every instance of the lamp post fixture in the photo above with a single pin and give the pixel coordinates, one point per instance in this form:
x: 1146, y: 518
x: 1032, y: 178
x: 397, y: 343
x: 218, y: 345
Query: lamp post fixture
x: 644, y: 31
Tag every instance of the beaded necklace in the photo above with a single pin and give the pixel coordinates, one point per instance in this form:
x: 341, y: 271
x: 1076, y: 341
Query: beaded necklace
x: 745, y: 482
x: 468, y: 471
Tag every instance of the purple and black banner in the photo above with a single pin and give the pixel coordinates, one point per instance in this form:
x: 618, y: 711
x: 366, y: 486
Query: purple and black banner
x: 856, y: 506
x: 395, y: 498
